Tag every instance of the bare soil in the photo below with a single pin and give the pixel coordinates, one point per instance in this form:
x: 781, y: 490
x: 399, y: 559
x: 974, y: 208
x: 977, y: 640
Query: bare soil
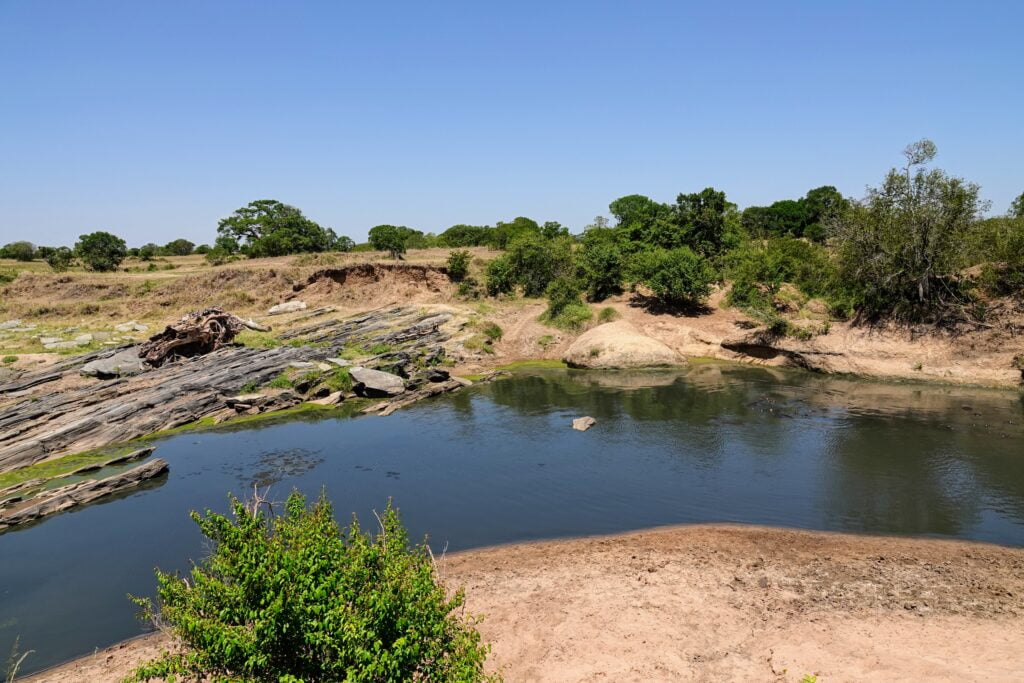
x: 725, y: 603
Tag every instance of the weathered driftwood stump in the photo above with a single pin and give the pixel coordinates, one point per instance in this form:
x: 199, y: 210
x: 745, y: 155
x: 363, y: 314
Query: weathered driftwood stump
x: 195, y: 334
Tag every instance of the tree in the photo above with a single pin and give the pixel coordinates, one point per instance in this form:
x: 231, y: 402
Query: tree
x: 101, y: 251
x: 600, y: 264
x: 148, y: 251
x: 506, y: 232
x: 1017, y: 207
x: 297, y: 598
x: 535, y: 261
x: 60, y: 259
x: 702, y: 215
x: 267, y: 227
x: 552, y: 229
x: 19, y: 251
x: 678, y: 277
x: 344, y: 243
x: 202, y: 249
x: 465, y: 236
x: 901, y: 247
x: 389, y: 238
x: 179, y: 247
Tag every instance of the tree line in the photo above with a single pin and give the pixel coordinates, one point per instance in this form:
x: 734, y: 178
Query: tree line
x: 902, y: 250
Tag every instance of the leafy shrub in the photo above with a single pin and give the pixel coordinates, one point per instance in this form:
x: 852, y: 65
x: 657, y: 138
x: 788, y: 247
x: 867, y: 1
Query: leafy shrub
x: 458, y: 265
x: 19, y: 251
x: 607, y: 314
x: 492, y: 331
x: 60, y: 259
x: 10, y: 359
x: 500, y: 279
x: 1002, y: 252
x: 572, y: 317
x: 759, y: 269
x: 561, y: 293
x: 469, y: 289
x: 600, y: 267
x: 101, y: 251
x: 296, y: 598
x: 678, y: 277
x: 535, y: 261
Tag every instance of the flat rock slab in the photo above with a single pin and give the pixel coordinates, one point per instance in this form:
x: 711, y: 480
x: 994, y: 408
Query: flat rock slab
x: 121, y: 364
x: 376, y: 383
x: 73, y: 495
x: 582, y: 424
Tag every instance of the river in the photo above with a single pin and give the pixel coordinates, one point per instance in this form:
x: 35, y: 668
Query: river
x: 499, y: 463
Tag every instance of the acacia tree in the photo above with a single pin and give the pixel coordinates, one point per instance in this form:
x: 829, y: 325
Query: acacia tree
x: 901, y: 247
x: 179, y: 247
x: 20, y: 251
x: 1017, y: 207
x: 267, y: 227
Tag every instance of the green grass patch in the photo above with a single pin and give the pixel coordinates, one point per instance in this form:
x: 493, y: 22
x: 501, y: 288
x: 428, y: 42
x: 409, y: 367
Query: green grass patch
x: 257, y: 340
x: 282, y: 381
x: 10, y: 359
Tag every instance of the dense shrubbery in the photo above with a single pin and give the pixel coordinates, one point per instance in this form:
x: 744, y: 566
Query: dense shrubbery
x: 458, y: 265
x: 267, y: 227
x: 296, y: 598
x: 19, y: 251
x: 60, y: 259
x: 677, y: 277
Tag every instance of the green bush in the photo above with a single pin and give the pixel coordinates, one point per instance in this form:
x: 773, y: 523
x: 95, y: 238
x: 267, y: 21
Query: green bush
x: 607, y: 314
x: 458, y: 265
x: 101, y: 251
x: 535, y: 261
x: 492, y: 331
x: 677, y: 277
x: 10, y: 359
x: 600, y: 267
x: 19, y: 251
x: 500, y: 279
x: 572, y: 317
x: 60, y: 259
x: 561, y: 293
x: 296, y: 598
x: 1001, y: 250
x: 759, y: 268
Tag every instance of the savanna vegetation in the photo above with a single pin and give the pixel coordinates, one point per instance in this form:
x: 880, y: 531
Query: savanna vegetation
x: 295, y: 597
x: 916, y: 248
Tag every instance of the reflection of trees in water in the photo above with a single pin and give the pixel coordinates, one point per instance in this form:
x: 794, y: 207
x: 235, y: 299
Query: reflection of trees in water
x: 900, y: 457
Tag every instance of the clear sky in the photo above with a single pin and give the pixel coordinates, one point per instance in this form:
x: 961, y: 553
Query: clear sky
x: 155, y: 119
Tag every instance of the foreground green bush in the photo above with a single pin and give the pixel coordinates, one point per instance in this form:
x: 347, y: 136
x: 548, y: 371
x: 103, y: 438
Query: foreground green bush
x: 296, y: 598
x: 677, y: 277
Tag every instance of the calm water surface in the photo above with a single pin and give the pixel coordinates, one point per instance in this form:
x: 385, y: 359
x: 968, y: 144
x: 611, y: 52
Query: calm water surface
x: 499, y: 463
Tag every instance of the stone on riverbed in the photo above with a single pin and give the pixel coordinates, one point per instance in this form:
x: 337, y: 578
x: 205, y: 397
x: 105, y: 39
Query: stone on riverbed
x: 121, y: 364
x: 375, y: 383
x: 287, y: 307
x: 582, y: 424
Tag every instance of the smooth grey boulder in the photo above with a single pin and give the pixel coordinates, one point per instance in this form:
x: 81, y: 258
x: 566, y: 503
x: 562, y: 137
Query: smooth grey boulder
x: 121, y: 364
x: 375, y: 383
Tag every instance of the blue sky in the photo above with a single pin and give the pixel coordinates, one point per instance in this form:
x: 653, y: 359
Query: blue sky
x: 155, y: 119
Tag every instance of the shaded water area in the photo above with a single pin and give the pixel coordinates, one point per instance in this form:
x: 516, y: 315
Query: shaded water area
x: 499, y: 463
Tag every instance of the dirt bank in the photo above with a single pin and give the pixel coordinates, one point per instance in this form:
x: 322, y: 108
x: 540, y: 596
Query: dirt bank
x: 724, y: 603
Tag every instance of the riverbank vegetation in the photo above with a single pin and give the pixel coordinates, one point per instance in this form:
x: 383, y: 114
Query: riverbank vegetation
x: 916, y: 248
x: 295, y: 597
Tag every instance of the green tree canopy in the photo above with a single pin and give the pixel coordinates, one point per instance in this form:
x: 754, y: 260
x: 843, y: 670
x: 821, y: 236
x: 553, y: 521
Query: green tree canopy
x: 903, y: 246
x: 466, y: 236
x: 267, y: 227
x: 179, y: 247
x: 389, y: 238
x: 1017, y: 207
x: 20, y: 251
x: 60, y: 259
x: 101, y: 251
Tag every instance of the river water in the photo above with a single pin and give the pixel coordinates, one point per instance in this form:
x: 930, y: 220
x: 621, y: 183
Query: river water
x: 499, y: 463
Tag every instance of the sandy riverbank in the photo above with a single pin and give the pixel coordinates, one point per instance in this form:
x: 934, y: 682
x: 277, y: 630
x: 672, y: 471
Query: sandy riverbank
x: 721, y: 603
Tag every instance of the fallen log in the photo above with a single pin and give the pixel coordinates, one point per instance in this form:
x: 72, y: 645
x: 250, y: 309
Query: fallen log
x: 80, y: 493
x: 197, y: 333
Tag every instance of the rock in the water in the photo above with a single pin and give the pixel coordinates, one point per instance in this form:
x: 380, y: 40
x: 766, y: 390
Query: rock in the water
x: 287, y: 307
x: 121, y: 364
x: 582, y: 424
x: 376, y: 384
x: 619, y: 345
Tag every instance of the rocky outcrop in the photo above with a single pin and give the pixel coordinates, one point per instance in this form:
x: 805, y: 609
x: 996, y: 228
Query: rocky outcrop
x: 376, y: 384
x: 287, y: 307
x: 79, y: 493
x: 619, y: 345
x: 37, y: 425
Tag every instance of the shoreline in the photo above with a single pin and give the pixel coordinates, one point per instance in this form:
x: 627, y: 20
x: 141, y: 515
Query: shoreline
x: 722, y: 602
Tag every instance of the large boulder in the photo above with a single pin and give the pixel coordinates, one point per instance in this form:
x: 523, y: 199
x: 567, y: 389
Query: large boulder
x: 619, y: 345
x: 121, y: 364
x: 376, y: 384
